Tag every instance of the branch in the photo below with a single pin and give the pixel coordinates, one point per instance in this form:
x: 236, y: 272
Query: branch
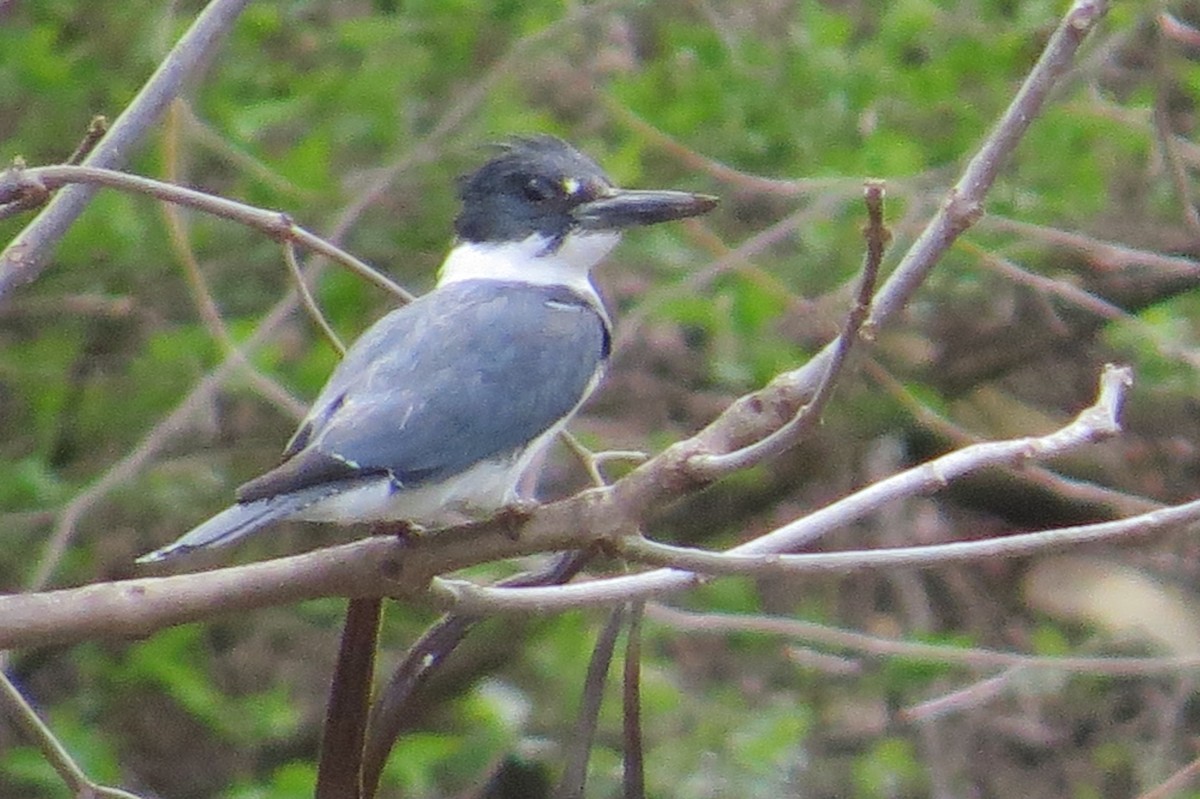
x: 574, y: 777
x: 1095, y: 423
x: 666, y: 477
x: 23, y: 716
x: 877, y: 647
x: 20, y: 182
x: 382, y: 566
x: 964, y: 205
x: 1009, y: 546
x: 713, y: 466
x: 23, y: 259
x: 387, y: 566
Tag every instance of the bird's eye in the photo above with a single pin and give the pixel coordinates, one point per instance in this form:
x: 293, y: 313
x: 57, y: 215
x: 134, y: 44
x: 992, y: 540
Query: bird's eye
x: 540, y: 189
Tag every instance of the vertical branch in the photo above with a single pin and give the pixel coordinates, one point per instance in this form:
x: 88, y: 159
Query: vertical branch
x: 575, y: 773
x: 339, y: 766
x: 634, y: 777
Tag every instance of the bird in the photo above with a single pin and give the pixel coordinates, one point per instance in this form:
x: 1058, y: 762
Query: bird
x: 440, y: 408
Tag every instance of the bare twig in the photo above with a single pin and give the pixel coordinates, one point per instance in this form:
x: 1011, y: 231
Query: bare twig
x: 969, y: 697
x: 1163, y: 127
x: 424, y: 657
x: 707, y: 466
x: 1176, y: 783
x: 964, y: 205
x: 309, y: 302
x: 634, y: 774
x: 1106, y: 255
x: 17, y: 181
x: 339, y: 764
x: 593, y: 461
x: 206, y: 305
x: 96, y: 130
x: 23, y: 716
x: 386, y: 566
x: 722, y: 172
x: 1009, y: 546
x: 574, y: 776
x: 876, y: 647
x: 177, y: 231
x: 1084, y: 300
x: 1117, y: 502
x: 23, y: 259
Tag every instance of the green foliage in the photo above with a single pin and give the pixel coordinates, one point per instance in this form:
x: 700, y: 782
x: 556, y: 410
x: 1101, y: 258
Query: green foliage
x: 292, y: 780
x: 311, y: 108
x: 890, y: 769
x: 908, y: 673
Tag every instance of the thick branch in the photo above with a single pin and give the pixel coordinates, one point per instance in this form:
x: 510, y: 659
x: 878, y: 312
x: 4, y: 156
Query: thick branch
x: 397, y: 567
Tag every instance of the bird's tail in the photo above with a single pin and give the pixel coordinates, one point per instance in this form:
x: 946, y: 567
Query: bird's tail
x: 231, y: 524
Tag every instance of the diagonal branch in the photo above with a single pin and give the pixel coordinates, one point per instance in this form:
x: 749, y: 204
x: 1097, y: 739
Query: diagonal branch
x: 1095, y: 423
x: 23, y: 259
x: 19, y: 182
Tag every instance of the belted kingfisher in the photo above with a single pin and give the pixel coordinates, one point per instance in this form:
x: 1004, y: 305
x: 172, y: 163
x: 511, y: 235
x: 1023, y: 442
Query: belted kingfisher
x: 438, y: 410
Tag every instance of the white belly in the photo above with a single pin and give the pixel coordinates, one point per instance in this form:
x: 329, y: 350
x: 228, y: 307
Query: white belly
x: 473, y: 494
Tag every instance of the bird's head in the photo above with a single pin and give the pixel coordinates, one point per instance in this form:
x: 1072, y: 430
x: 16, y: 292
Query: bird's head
x: 543, y: 211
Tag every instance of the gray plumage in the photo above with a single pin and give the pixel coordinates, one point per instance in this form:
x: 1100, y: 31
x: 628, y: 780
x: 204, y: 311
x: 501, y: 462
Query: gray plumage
x: 406, y: 399
x: 403, y: 404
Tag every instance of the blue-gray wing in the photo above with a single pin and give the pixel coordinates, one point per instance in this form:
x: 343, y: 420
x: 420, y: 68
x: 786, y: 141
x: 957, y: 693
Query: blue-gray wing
x: 469, y: 372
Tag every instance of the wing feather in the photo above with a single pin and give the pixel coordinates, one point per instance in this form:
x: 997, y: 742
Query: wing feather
x: 469, y: 372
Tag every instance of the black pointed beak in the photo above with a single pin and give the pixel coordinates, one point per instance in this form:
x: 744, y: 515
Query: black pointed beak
x: 627, y: 208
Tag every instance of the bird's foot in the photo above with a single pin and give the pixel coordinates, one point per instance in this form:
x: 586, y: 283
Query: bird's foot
x: 512, y: 516
x: 403, y: 529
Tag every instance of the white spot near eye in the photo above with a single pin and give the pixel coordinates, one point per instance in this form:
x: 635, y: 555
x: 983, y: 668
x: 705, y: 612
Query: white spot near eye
x: 570, y: 185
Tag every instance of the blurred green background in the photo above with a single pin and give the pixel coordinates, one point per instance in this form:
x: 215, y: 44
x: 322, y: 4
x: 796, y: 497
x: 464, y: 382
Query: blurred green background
x: 355, y: 117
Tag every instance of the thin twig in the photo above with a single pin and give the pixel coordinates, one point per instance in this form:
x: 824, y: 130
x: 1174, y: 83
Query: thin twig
x: 309, y: 302
x: 1117, y: 502
x: 1176, y: 783
x: 693, y: 160
x: 644, y: 551
x: 206, y: 304
x: 1095, y: 423
x: 1166, y: 136
x: 969, y: 697
x: 1106, y: 255
x: 634, y: 771
x: 593, y: 461
x: 1084, y: 300
x: 96, y: 130
x: 707, y: 466
x: 23, y: 716
x: 574, y: 776
x: 873, y: 646
x: 16, y: 181
x: 424, y: 657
